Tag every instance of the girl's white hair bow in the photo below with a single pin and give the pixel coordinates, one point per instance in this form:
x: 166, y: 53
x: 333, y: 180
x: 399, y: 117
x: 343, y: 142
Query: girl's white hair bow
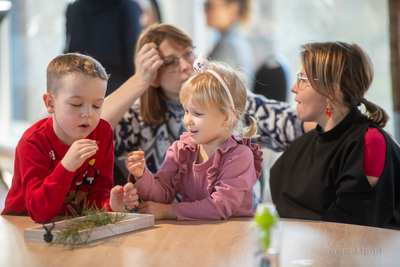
x: 200, y: 65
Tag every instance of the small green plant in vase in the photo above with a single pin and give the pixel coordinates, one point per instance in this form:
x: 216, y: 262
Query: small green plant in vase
x: 267, y: 229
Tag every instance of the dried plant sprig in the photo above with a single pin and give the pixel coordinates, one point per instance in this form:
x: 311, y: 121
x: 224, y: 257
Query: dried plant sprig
x: 79, y: 229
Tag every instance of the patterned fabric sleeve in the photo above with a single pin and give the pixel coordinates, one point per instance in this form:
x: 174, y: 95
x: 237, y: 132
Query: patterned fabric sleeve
x: 133, y: 134
x: 127, y: 132
x: 278, y: 125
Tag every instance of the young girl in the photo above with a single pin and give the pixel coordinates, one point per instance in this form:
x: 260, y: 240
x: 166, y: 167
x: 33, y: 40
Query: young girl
x: 210, y: 166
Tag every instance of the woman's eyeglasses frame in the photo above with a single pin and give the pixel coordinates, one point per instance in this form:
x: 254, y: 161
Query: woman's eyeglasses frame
x: 172, y: 64
x: 305, y: 84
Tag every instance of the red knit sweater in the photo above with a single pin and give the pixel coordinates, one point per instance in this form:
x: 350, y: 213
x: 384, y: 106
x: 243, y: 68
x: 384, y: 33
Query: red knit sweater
x: 43, y: 188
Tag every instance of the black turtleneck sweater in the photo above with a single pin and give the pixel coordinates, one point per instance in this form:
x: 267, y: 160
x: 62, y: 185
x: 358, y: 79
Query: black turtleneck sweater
x: 321, y: 177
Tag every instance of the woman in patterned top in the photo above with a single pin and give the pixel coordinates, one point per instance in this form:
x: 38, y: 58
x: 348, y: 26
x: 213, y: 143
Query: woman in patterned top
x: 145, y: 111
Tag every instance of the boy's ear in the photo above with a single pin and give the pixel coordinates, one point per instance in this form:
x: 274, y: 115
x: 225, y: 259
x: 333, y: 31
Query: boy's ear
x: 49, y: 102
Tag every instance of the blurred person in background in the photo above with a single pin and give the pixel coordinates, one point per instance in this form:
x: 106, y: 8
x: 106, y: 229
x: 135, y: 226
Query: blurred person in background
x: 226, y: 16
x: 106, y: 30
x: 150, y: 12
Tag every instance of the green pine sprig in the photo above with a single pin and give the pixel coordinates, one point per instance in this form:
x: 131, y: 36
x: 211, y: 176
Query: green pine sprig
x: 73, y: 233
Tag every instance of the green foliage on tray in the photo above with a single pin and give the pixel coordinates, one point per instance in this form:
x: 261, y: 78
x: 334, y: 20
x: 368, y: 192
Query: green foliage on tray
x: 79, y: 229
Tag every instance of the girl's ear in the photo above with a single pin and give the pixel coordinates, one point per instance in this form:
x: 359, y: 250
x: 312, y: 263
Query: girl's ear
x: 230, y: 118
x: 49, y: 102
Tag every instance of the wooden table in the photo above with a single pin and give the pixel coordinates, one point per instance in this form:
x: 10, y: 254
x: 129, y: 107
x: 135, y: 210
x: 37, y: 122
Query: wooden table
x: 206, y: 243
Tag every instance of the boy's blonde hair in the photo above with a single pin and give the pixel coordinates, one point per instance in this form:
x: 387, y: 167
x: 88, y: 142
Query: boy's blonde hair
x: 72, y: 63
x: 206, y: 90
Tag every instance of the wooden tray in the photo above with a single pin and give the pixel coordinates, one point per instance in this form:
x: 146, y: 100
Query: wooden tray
x: 131, y: 222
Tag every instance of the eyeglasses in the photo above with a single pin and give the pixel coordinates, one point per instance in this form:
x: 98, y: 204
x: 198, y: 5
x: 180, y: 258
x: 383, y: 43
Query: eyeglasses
x: 172, y: 64
x: 302, y: 82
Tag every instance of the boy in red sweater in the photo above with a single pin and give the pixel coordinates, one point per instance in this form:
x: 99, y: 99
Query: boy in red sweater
x: 66, y: 160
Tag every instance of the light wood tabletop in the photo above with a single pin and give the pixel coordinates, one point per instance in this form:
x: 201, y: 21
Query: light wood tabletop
x: 206, y: 243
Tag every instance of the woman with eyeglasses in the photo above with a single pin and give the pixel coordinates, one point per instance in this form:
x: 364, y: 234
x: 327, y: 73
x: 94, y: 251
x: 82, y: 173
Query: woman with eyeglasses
x: 146, y: 114
x: 226, y: 16
x: 347, y: 169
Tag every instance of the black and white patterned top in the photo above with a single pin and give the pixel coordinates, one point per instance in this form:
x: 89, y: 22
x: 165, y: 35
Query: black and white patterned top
x: 278, y: 127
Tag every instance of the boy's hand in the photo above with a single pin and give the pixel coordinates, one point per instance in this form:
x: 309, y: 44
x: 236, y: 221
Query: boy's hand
x: 121, y: 196
x: 79, y: 151
x: 135, y: 163
x: 160, y: 211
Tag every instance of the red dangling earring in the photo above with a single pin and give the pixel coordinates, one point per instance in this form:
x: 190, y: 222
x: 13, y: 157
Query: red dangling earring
x: 328, y: 111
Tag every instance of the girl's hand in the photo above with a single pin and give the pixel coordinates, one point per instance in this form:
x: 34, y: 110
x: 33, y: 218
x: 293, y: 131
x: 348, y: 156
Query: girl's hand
x: 79, y: 151
x: 160, y: 211
x: 121, y: 196
x: 147, y: 63
x: 135, y: 163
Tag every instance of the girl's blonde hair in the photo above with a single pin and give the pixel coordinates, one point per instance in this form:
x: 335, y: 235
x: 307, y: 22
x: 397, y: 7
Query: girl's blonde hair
x: 152, y: 103
x: 206, y: 90
x: 347, y: 65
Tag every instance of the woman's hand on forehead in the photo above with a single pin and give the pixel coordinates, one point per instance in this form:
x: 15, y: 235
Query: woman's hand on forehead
x: 148, y: 61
